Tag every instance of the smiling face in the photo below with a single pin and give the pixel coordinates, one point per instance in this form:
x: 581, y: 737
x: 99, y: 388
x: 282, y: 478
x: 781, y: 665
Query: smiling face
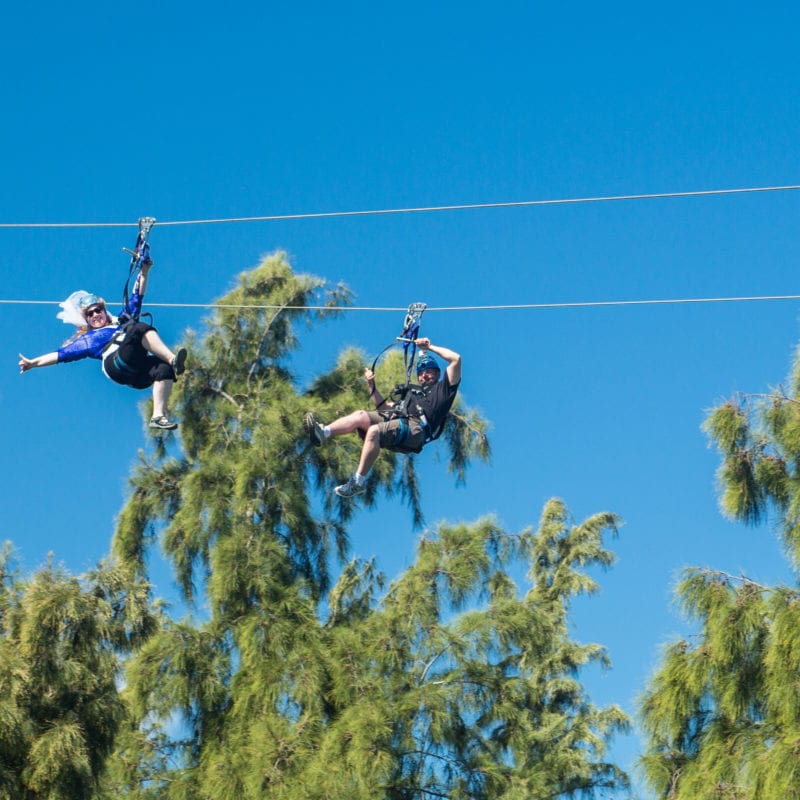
x: 96, y: 316
x: 428, y: 376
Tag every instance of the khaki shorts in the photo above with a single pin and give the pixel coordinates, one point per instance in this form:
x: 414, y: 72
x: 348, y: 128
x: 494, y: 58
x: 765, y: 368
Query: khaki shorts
x: 397, y: 434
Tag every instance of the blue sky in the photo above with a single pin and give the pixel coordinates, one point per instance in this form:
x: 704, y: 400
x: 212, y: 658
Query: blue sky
x: 196, y: 111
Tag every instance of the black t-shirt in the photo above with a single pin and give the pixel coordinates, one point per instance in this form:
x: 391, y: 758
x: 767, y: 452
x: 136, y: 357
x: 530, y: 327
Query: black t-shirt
x: 434, y: 401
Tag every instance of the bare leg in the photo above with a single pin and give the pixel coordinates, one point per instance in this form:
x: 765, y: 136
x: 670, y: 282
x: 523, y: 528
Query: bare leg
x: 161, y: 393
x: 152, y: 341
x: 370, y: 450
x: 350, y: 423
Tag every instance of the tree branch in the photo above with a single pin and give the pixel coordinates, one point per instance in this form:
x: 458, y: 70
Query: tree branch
x: 744, y: 580
x: 252, y: 369
x: 239, y: 407
x: 432, y: 662
x: 463, y: 420
x: 779, y: 394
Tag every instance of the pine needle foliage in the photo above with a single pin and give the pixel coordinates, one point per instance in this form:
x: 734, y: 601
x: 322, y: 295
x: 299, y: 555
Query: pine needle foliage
x: 241, y: 499
x: 244, y: 511
x: 61, y: 638
x: 452, y: 682
x: 722, y: 712
x: 759, y: 441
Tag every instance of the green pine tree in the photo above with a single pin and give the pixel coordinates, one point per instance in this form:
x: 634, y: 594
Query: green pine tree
x: 60, y: 709
x: 306, y: 679
x: 459, y: 684
x: 452, y: 683
x: 238, y: 499
x: 722, y: 713
x: 245, y: 511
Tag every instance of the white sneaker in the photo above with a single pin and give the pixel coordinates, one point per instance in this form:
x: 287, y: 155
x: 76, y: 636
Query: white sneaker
x: 350, y: 489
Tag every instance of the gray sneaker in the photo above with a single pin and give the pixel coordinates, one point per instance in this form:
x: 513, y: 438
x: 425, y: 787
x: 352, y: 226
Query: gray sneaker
x: 350, y: 489
x: 314, y: 430
x: 163, y: 423
x: 179, y: 362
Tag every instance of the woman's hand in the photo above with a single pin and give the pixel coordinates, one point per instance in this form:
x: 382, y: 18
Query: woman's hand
x: 25, y: 364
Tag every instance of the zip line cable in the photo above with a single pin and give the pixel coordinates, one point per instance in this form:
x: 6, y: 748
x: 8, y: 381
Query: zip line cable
x: 410, y: 210
x: 514, y: 307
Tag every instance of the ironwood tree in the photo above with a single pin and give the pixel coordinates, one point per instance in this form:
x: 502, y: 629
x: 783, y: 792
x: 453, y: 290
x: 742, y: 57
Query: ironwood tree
x: 298, y: 671
x: 61, y: 641
x: 722, y: 714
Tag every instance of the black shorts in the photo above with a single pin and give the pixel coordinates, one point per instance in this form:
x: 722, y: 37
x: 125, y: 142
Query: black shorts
x: 131, y: 364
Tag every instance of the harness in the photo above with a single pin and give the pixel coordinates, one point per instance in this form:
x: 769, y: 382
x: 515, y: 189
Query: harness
x: 111, y: 352
x: 408, y: 406
x: 404, y: 397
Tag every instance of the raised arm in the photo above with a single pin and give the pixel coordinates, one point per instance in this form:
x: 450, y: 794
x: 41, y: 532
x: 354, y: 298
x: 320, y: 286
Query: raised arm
x: 376, y: 397
x: 452, y: 358
x: 141, y: 281
x: 46, y: 360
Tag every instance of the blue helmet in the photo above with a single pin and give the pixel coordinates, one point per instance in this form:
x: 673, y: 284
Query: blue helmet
x: 427, y: 361
x: 88, y: 300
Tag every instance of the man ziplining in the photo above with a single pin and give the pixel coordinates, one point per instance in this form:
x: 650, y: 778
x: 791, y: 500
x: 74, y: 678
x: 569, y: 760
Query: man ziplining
x: 403, y: 426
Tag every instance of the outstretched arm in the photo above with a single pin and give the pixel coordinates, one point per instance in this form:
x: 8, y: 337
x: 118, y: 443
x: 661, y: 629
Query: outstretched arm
x: 46, y: 360
x: 452, y: 358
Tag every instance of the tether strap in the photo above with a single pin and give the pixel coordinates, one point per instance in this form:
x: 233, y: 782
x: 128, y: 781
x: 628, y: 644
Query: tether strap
x: 139, y: 254
x: 409, y: 333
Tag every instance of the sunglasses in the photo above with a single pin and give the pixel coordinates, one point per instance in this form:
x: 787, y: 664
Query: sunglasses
x: 90, y: 312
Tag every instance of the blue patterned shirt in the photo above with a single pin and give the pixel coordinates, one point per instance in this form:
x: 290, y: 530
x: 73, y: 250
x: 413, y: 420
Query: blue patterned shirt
x: 92, y: 343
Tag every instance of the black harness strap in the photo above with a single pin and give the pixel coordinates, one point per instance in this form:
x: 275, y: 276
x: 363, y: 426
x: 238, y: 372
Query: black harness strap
x: 408, y: 406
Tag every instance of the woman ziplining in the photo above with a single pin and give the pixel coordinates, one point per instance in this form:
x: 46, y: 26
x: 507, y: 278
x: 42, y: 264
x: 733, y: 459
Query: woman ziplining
x: 131, y: 352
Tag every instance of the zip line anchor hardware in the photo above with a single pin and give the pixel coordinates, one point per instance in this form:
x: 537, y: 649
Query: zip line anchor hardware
x: 145, y: 226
